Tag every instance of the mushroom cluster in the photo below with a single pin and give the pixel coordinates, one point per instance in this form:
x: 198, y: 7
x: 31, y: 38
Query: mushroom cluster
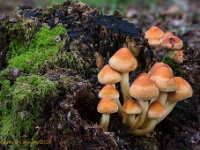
x: 168, y: 41
x: 147, y: 101
x: 117, y: 70
x: 170, y: 90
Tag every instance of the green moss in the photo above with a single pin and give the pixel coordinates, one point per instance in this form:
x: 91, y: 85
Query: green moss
x: 22, y: 104
x: 175, y: 67
x: 45, y: 49
x: 30, y: 55
x: 4, y: 89
x: 19, y: 33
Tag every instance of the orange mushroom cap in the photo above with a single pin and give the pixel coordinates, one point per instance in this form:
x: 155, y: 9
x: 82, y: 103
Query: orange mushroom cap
x: 156, y: 66
x: 178, y: 56
x: 156, y: 110
x: 166, y: 34
x: 183, y: 91
x: 154, y: 41
x: 154, y: 31
x: 143, y: 88
x: 132, y: 107
x: 172, y: 42
x: 107, y: 106
x: 164, y: 79
x: 144, y: 74
x: 108, y: 91
x: 123, y: 61
x: 107, y: 75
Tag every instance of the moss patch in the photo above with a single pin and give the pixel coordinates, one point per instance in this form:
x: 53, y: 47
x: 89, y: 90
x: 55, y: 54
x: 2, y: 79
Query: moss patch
x: 44, y: 45
x: 22, y: 104
x: 175, y: 67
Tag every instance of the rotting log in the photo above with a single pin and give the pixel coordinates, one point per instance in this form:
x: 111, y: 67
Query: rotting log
x: 90, y: 32
x: 91, y: 38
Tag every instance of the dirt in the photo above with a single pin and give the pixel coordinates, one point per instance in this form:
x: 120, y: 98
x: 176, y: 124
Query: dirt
x: 78, y: 127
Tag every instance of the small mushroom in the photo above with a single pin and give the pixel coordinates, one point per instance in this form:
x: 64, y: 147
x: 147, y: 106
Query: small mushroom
x: 154, y: 42
x: 143, y: 89
x: 156, y: 110
x: 106, y: 106
x: 164, y: 80
x: 154, y: 36
x: 166, y: 34
x: 171, y: 43
x: 130, y: 109
x: 154, y: 31
x: 111, y: 92
x: 183, y: 91
x: 156, y: 66
x: 107, y: 75
x: 178, y: 56
x: 124, y: 62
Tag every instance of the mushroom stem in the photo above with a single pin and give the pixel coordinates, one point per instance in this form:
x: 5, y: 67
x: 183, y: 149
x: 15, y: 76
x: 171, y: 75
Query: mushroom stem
x: 147, y: 130
x: 124, y: 83
x: 104, y: 121
x: 150, y: 125
x: 169, y: 107
x: 168, y: 53
x: 145, y: 124
x: 162, y: 98
x: 154, y: 50
x: 129, y: 119
x: 141, y: 117
x: 124, y: 118
x: 114, y: 85
x: 120, y: 112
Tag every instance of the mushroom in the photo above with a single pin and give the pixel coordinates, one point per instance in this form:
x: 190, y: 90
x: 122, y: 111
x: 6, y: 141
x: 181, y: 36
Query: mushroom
x: 183, y: 91
x: 111, y: 92
x: 143, y: 89
x: 154, y: 41
x: 166, y: 34
x: 154, y: 31
x: 178, y: 56
x: 124, y: 62
x: 106, y: 106
x: 154, y: 36
x: 156, y: 66
x: 156, y: 110
x: 130, y: 109
x: 171, y: 43
x: 107, y: 75
x: 164, y: 80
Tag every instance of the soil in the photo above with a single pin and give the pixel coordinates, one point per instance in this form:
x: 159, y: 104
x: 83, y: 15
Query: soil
x: 78, y: 128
